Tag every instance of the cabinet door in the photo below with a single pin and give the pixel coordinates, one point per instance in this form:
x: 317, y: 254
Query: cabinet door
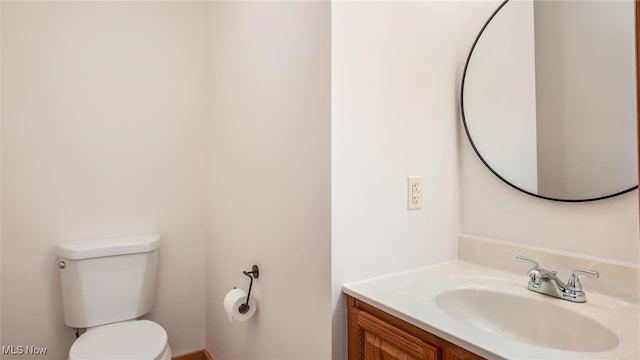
x: 382, y: 341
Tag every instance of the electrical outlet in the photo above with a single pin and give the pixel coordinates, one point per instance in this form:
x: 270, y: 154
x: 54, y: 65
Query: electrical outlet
x: 414, y: 192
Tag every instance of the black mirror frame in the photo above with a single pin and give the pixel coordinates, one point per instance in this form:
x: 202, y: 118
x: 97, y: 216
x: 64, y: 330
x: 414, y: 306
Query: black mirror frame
x: 475, y: 149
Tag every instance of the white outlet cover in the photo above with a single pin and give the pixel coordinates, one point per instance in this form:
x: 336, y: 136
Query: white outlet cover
x: 414, y: 192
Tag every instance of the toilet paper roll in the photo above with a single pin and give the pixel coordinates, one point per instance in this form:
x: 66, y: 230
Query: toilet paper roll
x: 232, y: 302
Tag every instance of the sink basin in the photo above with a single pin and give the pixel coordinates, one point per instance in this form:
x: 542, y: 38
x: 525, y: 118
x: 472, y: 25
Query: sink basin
x: 526, y: 320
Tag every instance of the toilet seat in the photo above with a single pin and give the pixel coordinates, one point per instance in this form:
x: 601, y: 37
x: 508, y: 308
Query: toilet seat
x: 130, y: 340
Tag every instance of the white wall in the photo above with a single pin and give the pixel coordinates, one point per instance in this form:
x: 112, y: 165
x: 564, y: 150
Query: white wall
x: 269, y: 178
x: 394, y: 114
x: 103, y: 133
x: 490, y: 208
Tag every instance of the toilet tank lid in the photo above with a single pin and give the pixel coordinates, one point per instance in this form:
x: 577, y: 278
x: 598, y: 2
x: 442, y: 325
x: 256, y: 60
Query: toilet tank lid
x: 85, y: 249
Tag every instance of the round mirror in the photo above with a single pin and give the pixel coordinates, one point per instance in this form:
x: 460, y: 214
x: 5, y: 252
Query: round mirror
x: 549, y: 98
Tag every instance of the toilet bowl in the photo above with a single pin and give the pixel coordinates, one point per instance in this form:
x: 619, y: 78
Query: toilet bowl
x: 107, y: 284
x: 133, y: 340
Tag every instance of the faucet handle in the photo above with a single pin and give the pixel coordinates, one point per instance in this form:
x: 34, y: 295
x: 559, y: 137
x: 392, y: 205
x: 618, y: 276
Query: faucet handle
x: 574, y: 279
x: 535, y: 273
x: 529, y: 260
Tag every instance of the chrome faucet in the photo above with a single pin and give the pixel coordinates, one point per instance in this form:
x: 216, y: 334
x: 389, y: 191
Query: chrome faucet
x: 546, y: 282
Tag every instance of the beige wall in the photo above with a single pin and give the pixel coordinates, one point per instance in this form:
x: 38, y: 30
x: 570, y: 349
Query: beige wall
x: 103, y: 133
x: 270, y: 178
x: 106, y: 134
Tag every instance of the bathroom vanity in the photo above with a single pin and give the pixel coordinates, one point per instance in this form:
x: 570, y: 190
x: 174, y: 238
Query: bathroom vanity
x: 479, y: 306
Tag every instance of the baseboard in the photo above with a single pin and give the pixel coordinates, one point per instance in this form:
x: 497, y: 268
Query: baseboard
x: 196, y: 355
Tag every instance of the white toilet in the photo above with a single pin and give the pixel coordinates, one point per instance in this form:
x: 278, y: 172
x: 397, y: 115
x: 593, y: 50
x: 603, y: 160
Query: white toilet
x: 106, y: 285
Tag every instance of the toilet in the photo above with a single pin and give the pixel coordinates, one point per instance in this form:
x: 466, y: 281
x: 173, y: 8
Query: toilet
x: 107, y: 284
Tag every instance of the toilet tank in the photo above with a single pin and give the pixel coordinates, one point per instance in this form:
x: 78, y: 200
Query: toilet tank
x: 107, y: 280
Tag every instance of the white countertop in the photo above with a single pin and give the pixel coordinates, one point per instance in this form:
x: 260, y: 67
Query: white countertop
x: 410, y: 296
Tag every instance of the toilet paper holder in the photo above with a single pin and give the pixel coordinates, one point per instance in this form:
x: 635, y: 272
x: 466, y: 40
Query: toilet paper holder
x: 253, y: 274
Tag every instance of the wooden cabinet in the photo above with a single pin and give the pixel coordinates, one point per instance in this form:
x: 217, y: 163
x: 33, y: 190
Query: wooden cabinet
x: 376, y: 335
